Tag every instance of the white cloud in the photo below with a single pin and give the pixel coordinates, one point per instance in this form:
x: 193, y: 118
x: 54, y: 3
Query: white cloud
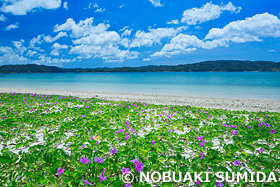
x: 95, y: 41
x: 31, y: 53
x: 34, y: 41
x: 104, y: 38
x: 178, y: 45
x: 9, y: 56
x: 96, y: 7
x: 109, y: 53
x: 12, y: 26
x: 251, y: 29
x: 154, y: 36
x: 146, y: 59
x: 83, y: 28
x: 125, y: 42
x: 198, y: 27
x: 127, y: 32
x: 41, y: 38
x: 156, y: 3
x: 174, y: 22
x: 100, y: 10
x: 123, y: 5
x: 19, y: 46
x: 47, y: 60
x: 65, y: 5
x: 207, y: 12
x: 272, y: 51
x: 3, y: 18
x: 124, y: 28
x: 22, y: 7
x: 17, y: 53
x: 50, y: 39
x: 57, y: 48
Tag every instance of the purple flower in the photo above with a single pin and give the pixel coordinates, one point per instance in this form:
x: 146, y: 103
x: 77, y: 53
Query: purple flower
x: 91, y: 138
x: 138, y: 165
x: 113, y: 151
x: 119, y: 131
x: 136, y: 159
x: 60, y: 171
x: 98, y: 160
x: 126, y: 171
x: 127, y: 136
x: 97, y: 142
x: 84, y: 160
x: 199, y: 138
x: 3, y: 117
x: 68, y: 146
x: 201, y: 154
x: 133, y: 130
x: 218, y: 183
x: 234, y: 132
x: 101, y: 175
x: 249, y: 127
x: 236, y: 163
x: 83, y: 116
x: 127, y: 185
x: 198, y: 183
x: 153, y: 142
x: 261, y: 150
x: 272, y: 131
x: 86, y: 182
x: 83, y: 146
x: 201, y: 145
x: 267, y: 125
x: 169, y: 131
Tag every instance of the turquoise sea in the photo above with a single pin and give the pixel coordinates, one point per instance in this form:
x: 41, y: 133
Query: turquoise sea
x: 259, y: 85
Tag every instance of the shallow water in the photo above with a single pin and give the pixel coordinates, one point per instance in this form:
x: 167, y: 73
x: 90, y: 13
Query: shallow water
x: 258, y: 85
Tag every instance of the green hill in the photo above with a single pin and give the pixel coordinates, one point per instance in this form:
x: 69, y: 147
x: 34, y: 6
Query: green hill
x: 207, y: 66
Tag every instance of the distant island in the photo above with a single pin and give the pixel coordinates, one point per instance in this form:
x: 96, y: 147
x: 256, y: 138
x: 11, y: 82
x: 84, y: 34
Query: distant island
x: 207, y: 66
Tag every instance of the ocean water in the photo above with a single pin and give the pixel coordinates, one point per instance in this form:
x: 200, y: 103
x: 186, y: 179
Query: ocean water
x: 258, y: 85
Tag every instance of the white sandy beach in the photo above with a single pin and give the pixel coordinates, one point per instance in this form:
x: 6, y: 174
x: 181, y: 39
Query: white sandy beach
x: 207, y: 102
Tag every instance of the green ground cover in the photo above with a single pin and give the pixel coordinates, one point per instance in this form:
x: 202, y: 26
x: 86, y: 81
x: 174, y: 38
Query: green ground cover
x: 51, y: 140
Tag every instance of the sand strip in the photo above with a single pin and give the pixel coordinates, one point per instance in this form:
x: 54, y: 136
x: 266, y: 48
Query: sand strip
x: 207, y: 102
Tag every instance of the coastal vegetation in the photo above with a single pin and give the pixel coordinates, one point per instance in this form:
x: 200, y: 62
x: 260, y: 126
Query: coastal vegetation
x: 207, y: 66
x: 54, y: 140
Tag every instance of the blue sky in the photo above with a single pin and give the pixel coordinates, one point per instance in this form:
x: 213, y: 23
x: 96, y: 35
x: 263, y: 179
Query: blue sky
x: 116, y: 33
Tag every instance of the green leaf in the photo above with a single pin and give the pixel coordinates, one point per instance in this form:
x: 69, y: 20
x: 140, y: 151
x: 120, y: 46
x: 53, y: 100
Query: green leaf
x: 4, y: 159
x: 52, y: 180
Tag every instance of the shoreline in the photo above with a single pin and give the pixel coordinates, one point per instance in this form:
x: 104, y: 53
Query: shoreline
x: 206, y: 102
